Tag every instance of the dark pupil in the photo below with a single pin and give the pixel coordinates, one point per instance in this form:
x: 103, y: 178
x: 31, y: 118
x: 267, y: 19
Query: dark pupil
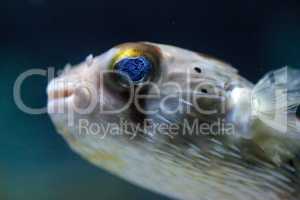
x: 137, y: 68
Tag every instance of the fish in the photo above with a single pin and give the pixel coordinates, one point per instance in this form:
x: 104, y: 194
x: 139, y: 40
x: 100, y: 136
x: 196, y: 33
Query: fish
x: 182, y: 124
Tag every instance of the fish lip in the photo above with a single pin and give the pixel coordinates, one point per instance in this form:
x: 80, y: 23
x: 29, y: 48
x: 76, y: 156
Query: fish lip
x: 60, y: 94
x: 59, y: 101
x: 60, y: 89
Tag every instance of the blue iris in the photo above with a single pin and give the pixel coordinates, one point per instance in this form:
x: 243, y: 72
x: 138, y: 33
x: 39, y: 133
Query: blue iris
x: 137, y: 68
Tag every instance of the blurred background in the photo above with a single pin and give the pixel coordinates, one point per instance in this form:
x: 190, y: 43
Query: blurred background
x: 35, y: 163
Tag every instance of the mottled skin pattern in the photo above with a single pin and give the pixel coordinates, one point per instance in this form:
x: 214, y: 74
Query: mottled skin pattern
x: 189, y: 167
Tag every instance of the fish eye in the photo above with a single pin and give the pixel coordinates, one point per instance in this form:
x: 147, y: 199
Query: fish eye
x: 137, y: 69
x: 135, y: 64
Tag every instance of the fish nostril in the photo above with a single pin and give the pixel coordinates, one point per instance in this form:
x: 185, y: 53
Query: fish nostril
x: 197, y: 69
x: 203, y: 90
x: 298, y: 112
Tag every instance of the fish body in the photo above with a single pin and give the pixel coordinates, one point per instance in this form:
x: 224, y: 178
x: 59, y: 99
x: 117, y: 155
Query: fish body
x: 181, y: 123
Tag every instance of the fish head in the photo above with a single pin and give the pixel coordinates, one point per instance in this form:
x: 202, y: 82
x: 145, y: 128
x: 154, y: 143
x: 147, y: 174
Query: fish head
x: 133, y: 81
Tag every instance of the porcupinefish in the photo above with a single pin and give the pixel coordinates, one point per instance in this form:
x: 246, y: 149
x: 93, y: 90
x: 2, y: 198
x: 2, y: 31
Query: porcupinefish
x: 181, y: 123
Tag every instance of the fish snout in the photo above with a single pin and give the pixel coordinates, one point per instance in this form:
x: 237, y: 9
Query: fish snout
x: 70, y: 95
x: 59, y: 89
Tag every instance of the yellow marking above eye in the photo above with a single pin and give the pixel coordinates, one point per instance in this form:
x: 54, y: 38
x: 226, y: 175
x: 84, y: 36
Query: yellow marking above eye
x: 138, y: 60
x: 131, y: 52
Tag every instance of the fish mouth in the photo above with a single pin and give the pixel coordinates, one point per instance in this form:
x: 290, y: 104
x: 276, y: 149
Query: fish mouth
x: 60, y: 94
x: 59, y: 90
